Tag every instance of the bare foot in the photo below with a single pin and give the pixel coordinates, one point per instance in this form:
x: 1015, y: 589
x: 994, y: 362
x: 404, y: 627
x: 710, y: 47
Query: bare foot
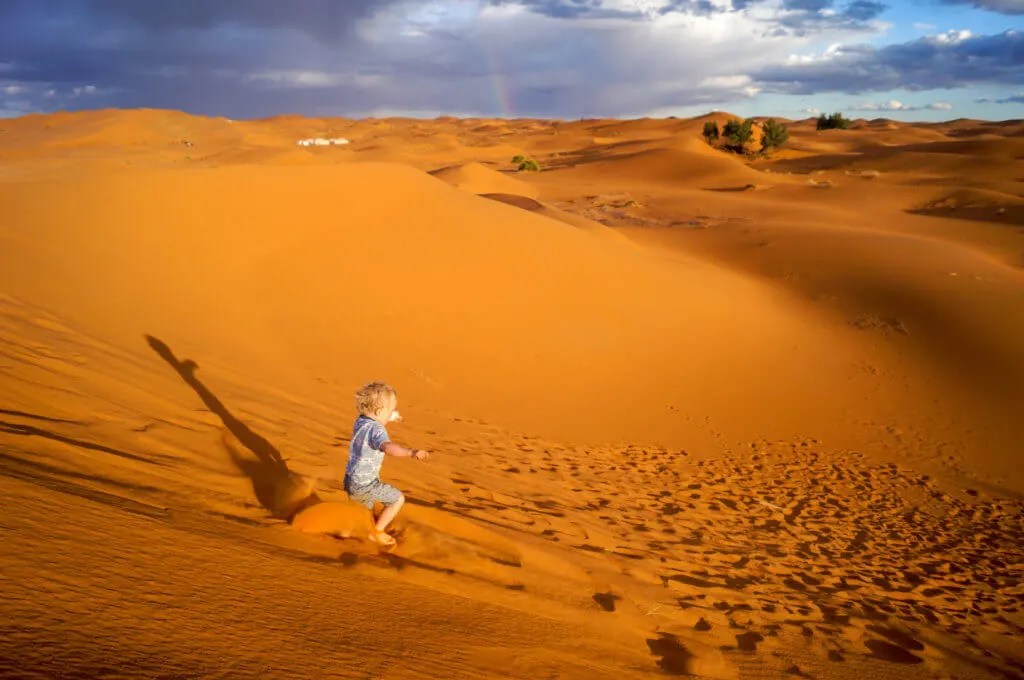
x: 383, y: 539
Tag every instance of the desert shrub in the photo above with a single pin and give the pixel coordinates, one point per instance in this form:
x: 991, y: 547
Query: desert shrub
x: 710, y: 132
x: 773, y: 134
x: 833, y: 121
x: 529, y: 165
x: 518, y: 159
x: 738, y: 133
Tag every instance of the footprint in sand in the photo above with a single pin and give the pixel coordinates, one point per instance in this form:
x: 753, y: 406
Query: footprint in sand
x: 889, y: 652
x: 673, y: 657
x: 606, y: 600
x: 896, y: 637
x: 747, y: 642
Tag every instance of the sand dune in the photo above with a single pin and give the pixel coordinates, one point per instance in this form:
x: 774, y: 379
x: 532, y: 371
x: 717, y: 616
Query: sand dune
x: 691, y: 413
x: 479, y: 179
x: 703, y: 168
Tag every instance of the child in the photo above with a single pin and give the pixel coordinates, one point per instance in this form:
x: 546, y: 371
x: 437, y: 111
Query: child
x: 376, y: 403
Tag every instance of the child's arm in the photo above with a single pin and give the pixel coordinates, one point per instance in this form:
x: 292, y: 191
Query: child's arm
x: 393, y: 449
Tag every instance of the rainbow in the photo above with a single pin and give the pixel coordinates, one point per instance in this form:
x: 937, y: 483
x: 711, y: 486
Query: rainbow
x: 498, y: 81
x: 499, y: 85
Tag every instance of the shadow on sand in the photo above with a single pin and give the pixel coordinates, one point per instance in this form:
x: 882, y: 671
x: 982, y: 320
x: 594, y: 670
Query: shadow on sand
x: 32, y: 431
x: 278, y: 489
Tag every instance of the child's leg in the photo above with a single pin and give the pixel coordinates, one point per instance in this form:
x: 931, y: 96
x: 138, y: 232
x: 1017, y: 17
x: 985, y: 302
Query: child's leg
x: 389, y: 513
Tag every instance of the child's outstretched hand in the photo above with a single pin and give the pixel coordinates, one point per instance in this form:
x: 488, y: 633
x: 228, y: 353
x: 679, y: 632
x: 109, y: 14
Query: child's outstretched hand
x: 420, y: 455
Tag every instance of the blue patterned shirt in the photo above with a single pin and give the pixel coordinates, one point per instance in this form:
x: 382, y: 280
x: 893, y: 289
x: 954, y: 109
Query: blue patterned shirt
x: 365, y: 453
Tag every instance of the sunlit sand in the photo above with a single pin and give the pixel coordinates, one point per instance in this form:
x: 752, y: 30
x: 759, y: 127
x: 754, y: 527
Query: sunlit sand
x: 689, y: 412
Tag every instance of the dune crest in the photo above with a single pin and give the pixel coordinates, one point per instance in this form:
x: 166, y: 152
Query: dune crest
x: 479, y: 179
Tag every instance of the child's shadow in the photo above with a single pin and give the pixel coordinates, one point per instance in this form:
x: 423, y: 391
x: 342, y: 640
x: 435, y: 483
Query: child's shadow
x: 278, y: 489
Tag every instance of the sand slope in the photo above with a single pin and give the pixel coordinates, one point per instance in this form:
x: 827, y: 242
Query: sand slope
x: 475, y: 178
x: 690, y: 413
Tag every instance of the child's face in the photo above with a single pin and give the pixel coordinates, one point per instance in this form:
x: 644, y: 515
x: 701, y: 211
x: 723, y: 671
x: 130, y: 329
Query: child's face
x: 385, y: 415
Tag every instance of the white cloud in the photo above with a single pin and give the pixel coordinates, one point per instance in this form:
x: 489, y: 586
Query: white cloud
x: 733, y: 82
x: 649, y: 8
x: 831, y: 52
x: 296, y: 78
x: 20, y: 94
x: 894, y: 105
x: 812, y: 111
x: 925, y: 27
x: 13, y: 106
x: 952, y: 37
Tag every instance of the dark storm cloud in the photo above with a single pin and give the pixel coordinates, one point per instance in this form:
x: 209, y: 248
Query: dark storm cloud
x: 1002, y: 6
x: 807, y: 5
x: 804, y: 11
x: 322, y: 19
x: 96, y: 41
x: 186, y: 54
x: 250, y: 58
x: 937, y: 62
x: 864, y: 10
x: 799, y: 18
x: 1012, y: 99
x: 805, y: 16
x: 811, y: 16
x: 695, y: 7
x: 596, y: 9
x: 566, y: 9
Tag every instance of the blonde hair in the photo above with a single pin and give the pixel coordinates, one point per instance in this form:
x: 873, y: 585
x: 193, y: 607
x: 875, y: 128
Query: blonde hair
x: 373, y: 398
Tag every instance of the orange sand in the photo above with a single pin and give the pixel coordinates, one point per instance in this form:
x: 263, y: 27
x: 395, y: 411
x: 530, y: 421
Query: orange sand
x: 689, y: 413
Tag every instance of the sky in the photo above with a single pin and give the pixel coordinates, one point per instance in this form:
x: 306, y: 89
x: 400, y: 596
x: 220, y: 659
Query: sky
x: 565, y: 59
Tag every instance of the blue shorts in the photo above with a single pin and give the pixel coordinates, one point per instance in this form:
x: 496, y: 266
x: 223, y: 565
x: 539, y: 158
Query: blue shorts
x: 376, y: 491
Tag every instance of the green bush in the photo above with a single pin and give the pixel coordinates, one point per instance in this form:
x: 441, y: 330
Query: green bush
x: 834, y: 121
x: 773, y: 134
x: 518, y: 159
x: 529, y: 165
x: 710, y: 132
x: 738, y: 133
